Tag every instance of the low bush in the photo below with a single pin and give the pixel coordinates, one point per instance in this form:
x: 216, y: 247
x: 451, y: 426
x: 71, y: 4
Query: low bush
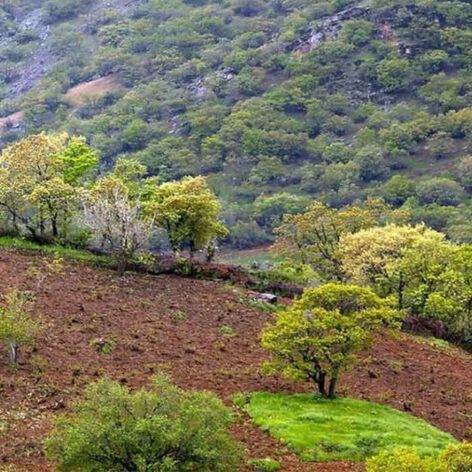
x: 266, y: 464
x: 401, y: 460
x: 455, y: 458
x: 163, y: 429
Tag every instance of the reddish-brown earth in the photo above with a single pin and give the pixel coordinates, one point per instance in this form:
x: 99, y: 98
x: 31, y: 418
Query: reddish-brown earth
x: 167, y: 322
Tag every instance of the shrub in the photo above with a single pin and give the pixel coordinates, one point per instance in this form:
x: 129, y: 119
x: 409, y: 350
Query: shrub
x: 371, y: 163
x: 269, y: 210
x: 400, y: 460
x: 397, y: 190
x: 164, y: 429
x: 357, y: 32
x: 464, y: 172
x: 247, y: 234
x: 457, y: 457
x: 440, y: 190
x: 17, y: 327
x: 394, y: 74
x: 264, y: 465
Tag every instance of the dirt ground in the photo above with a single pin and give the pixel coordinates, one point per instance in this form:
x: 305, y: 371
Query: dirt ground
x: 95, y: 88
x: 173, y: 323
x: 11, y: 120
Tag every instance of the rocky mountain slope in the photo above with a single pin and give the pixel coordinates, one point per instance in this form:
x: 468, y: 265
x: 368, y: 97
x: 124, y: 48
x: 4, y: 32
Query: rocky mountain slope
x: 276, y: 101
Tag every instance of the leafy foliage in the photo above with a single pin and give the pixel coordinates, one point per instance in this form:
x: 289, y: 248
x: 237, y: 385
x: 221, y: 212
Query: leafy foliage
x: 319, y: 336
x: 161, y: 429
x: 454, y: 458
x: 17, y: 327
x: 327, y: 99
x: 189, y: 211
x: 457, y: 458
x: 401, y: 460
x: 313, y: 237
x: 426, y: 274
x: 40, y: 180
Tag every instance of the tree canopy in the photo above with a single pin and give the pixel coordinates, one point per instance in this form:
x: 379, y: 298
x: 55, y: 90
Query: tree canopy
x: 319, y: 336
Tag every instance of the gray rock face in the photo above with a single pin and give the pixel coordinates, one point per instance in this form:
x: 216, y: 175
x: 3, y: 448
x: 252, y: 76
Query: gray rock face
x: 42, y: 59
x: 328, y: 28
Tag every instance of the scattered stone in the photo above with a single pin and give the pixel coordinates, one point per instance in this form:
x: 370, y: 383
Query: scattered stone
x: 266, y: 297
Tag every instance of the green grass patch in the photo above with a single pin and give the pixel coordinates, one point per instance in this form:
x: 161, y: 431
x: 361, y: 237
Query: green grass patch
x: 24, y: 245
x: 343, y: 429
x: 249, y: 257
x: 266, y: 464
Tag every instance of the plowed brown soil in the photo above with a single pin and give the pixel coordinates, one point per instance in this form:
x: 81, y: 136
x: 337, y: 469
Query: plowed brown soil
x: 167, y: 322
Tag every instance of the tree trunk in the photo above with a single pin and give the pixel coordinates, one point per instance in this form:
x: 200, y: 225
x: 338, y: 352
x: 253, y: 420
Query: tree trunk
x: 320, y: 382
x: 401, y: 287
x: 34, y: 234
x: 332, y: 387
x: 13, y: 352
x: 55, y: 231
x: 122, y: 264
x: 42, y: 227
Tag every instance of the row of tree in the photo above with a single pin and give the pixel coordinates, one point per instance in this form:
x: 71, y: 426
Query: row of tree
x: 373, y: 270
x: 48, y: 190
x: 373, y: 245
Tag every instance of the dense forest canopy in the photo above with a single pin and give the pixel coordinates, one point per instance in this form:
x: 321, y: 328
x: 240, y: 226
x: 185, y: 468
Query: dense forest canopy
x: 277, y: 102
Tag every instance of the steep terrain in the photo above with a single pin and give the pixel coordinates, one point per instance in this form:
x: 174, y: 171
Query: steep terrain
x: 150, y: 323
x: 295, y: 99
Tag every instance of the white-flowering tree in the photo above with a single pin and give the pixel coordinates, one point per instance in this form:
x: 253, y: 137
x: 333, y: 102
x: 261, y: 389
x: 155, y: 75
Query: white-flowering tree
x: 114, y: 215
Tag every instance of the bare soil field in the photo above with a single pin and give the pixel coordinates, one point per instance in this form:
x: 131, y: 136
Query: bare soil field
x: 95, y: 88
x: 11, y: 120
x: 173, y: 323
x: 77, y: 97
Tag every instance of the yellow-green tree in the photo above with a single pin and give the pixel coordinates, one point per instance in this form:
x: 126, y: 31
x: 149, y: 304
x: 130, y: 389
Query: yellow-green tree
x: 313, y: 237
x: 427, y: 275
x: 451, y: 300
x: 391, y: 258
x: 318, y: 337
x: 40, y: 182
x: 189, y: 212
x: 17, y: 326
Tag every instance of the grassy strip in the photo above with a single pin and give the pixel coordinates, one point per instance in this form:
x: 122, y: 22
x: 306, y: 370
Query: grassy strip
x: 78, y: 255
x: 342, y: 429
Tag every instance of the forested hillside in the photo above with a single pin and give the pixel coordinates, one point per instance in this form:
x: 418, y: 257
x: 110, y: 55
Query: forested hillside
x: 277, y: 102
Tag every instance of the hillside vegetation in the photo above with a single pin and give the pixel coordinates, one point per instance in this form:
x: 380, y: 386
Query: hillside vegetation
x: 140, y: 136
x: 277, y: 102
x: 206, y: 335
